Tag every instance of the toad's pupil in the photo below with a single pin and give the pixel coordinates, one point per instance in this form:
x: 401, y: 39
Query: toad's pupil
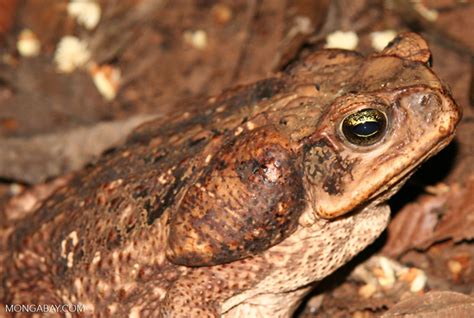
x: 366, y: 129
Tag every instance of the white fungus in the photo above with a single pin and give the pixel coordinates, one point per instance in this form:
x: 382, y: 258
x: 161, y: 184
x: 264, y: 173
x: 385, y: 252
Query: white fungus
x: 86, y: 12
x: 342, y: 40
x: 71, y: 53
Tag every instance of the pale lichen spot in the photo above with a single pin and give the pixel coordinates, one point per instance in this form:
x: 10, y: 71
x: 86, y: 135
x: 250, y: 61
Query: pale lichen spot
x: 257, y: 232
x: 134, y: 312
x: 64, y: 293
x: 78, y: 286
x: 160, y: 292
x: 63, y: 248
x: 231, y: 212
x: 307, y: 218
x: 96, y: 258
x: 197, y: 39
x: 278, y: 258
x: 70, y: 259
x: 103, y: 288
x: 250, y: 125
x: 114, y: 184
x: 89, y: 307
x: 280, y: 206
x: 126, y: 213
x: 160, y: 258
x: 135, y: 269
x: 74, y: 238
x: 163, y: 178
x: 126, y: 154
x: 272, y: 173
x: 238, y: 131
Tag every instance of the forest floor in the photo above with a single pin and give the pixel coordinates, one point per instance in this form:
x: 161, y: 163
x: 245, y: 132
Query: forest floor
x: 147, y: 57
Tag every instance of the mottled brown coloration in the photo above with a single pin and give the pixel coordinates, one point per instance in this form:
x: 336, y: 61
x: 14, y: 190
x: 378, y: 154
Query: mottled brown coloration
x: 324, y: 166
x: 249, y: 198
x: 261, y: 183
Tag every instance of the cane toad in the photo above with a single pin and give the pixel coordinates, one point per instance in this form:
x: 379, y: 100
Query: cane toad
x: 235, y: 209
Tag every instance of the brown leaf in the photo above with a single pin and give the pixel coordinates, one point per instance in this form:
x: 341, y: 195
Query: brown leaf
x: 7, y: 15
x: 432, y: 305
x: 458, y: 223
x: 449, y: 19
x: 37, y: 158
x: 433, y: 218
x: 303, y: 18
x: 413, y: 225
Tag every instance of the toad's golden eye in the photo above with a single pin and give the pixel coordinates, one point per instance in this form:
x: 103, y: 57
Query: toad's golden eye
x: 364, y: 127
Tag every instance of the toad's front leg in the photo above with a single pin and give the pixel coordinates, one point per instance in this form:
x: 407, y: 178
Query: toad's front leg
x: 202, y: 291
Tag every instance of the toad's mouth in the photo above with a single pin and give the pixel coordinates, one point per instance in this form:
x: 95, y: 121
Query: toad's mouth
x: 386, y: 188
x: 399, y: 179
x: 379, y: 199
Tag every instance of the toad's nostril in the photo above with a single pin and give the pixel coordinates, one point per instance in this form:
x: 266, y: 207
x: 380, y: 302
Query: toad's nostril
x: 429, y: 106
x: 430, y: 101
x: 425, y: 105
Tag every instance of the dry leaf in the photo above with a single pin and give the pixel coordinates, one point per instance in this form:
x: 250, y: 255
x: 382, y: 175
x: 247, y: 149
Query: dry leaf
x: 433, y: 218
x: 439, y: 304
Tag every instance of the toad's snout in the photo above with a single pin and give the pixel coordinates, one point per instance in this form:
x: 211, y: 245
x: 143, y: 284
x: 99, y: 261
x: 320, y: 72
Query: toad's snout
x: 433, y: 108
